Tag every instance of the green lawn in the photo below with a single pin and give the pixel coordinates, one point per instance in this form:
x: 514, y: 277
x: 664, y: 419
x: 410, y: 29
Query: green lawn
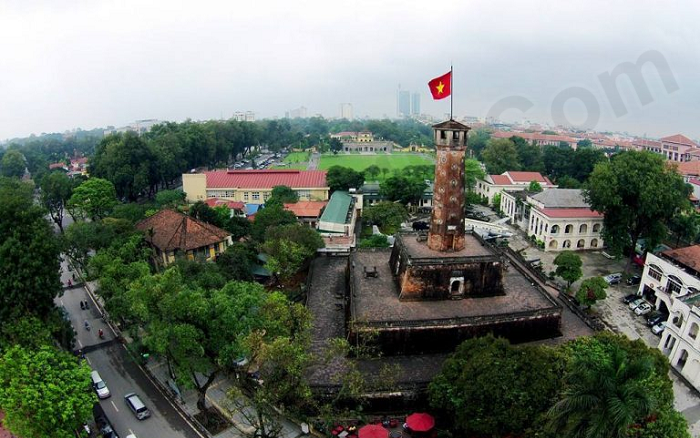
x: 297, y: 157
x: 361, y: 162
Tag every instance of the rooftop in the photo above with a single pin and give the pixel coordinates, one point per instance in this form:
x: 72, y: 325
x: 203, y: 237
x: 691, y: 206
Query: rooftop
x: 452, y: 125
x: 266, y: 179
x: 306, y: 208
x: 420, y: 250
x: 570, y: 213
x: 233, y: 205
x: 688, y: 256
x: 169, y: 230
x: 679, y: 139
x: 689, y: 168
x: 337, y: 209
x: 561, y: 198
x: 517, y: 177
x: 377, y: 299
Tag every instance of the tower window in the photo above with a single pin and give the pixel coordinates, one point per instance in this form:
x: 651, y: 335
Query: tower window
x: 455, y: 135
x: 443, y: 135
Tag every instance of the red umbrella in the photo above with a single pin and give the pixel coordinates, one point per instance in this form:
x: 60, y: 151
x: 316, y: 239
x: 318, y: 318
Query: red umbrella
x: 373, y: 431
x: 420, y: 422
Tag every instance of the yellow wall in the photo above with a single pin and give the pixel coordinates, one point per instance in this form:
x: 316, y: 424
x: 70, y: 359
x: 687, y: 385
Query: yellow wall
x: 195, y: 186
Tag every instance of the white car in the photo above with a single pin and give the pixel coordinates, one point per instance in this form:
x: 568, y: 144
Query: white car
x: 633, y: 305
x: 659, y: 328
x: 613, y: 278
x: 643, y: 309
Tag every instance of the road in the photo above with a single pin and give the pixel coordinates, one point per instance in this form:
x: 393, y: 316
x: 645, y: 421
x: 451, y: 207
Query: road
x: 120, y: 373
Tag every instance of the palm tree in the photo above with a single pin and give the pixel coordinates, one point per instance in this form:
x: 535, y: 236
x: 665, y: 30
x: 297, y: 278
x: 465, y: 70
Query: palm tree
x: 604, y: 398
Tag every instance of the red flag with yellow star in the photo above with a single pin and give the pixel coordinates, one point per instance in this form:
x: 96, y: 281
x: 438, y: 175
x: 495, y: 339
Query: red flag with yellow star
x: 441, y: 87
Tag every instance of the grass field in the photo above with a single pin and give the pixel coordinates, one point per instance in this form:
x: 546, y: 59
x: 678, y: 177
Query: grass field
x: 295, y: 160
x: 361, y: 162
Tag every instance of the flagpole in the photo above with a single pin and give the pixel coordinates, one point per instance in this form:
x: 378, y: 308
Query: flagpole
x: 452, y: 89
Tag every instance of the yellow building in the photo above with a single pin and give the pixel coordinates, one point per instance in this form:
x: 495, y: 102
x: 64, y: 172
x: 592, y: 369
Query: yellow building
x: 254, y: 186
x: 172, y: 234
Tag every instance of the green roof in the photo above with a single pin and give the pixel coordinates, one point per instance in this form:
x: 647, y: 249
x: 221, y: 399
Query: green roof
x: 337, y: 209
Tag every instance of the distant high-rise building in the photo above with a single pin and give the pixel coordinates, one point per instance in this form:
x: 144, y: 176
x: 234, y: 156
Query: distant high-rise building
x: 297, y: 113
x: 415, y: 104
x: 244, y: 116
x: 403, y: 108
x: 346, y: 111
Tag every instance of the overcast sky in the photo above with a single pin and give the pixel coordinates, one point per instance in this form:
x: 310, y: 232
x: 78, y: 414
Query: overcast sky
x: 69, y: 64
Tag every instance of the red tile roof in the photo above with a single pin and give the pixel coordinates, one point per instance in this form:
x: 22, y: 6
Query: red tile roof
x: 642, y: 142
x: 57, y: 166
x: 679, y: 139
x: 306, y: 208
x: 570, y: 213
x: 265, y: 179
x: 233, y: 205
x: 527, y: 177
x: 689, y: 168
x: 500, y: 180
x: 176, y: 231
x: 689, y: 256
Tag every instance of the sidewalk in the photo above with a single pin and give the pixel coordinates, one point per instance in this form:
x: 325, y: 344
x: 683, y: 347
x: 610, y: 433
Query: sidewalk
x: 186, y: 401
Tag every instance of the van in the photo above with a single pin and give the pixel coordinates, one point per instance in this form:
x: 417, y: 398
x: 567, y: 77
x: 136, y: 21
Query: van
x: 99, y: 385
x: 136, y: 405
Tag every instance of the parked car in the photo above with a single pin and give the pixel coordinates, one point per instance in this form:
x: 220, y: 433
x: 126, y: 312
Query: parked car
x: 99, y: 385
x: 137, y: 406
x: 643, y: 309
x: 635, y: 279
x: 629, y: 298
x: 633, y: 305
x: 613, y: 278
x: 659, y: 328
x: 102, y: 422
x: 656, y: 317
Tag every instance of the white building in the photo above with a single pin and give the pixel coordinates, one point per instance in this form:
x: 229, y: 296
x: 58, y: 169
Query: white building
x: 493, y: 184
x: 672, y: 281
x: 346, y: 111
x: 560, y: 218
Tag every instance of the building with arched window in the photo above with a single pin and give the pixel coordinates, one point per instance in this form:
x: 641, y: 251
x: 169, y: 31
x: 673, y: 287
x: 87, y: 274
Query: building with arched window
x: 671, y: 280
x: 560, y: 218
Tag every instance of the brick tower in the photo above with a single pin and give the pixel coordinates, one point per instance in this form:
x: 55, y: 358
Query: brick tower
x: 447, y: 220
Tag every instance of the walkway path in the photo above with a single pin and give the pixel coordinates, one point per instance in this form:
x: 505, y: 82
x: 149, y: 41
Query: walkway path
x: 313, y: 161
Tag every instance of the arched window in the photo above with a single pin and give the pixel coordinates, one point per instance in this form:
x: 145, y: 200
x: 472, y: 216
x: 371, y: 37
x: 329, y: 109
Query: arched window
x: 583, y: 229
x: 655, y: 272
x: 553, y: 244
x: 674, y: 285
x: 594, y: 243
x: 569, y: 229
x: 596, y: 228
x: 555, y: 229
x: 682, y: 359
x: 693, y: 332
x: 678, y: 320
x: 567, y: 244
x: 581, y: 243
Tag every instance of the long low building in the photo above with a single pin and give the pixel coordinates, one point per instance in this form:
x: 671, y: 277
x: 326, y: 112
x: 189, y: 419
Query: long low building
x: 254, y: 186
x: 491, y: 185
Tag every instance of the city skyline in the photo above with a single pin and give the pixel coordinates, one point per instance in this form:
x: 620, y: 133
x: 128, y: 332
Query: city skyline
x: 97, y: 64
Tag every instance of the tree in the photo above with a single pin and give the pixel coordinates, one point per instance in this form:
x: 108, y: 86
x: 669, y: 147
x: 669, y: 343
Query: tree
x: 83, y: 237
x: 336, y: 145
x: 236, y: 262
x: 270, y: 216
x: 127, y: 162
x: 29, y: 254
x: 478, y: 139
x: 490, y: 388
x: 534, y: 187
x: 13, y: 164
x: 283, y: 195
x: 238, y: 226
x: 568, y: 265
x: 343, y: 178
x: 603, y: 398
x: 637, y: 192
x: 56, y: 190
x: 529, y: 154
x: 375, y: 241
x: 585, y: 143
x: 402, y: 189
x: 373, y: 171
x: 591, y: 290
x: 685, y: 226
x: 202, y: 211
x: 170, y: 198
x: 386, y: 215
x: 202, y: 333
x: 567, y: 182
x: 288, y: 247
x: 497, y: 201
x: 472, y: 173
x: 44, y: 393
x: 94, y: 198
x: 500, y: 156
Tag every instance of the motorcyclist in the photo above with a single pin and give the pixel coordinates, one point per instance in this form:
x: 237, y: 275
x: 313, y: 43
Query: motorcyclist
x: 87, y: 325
x: 101, y: 334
